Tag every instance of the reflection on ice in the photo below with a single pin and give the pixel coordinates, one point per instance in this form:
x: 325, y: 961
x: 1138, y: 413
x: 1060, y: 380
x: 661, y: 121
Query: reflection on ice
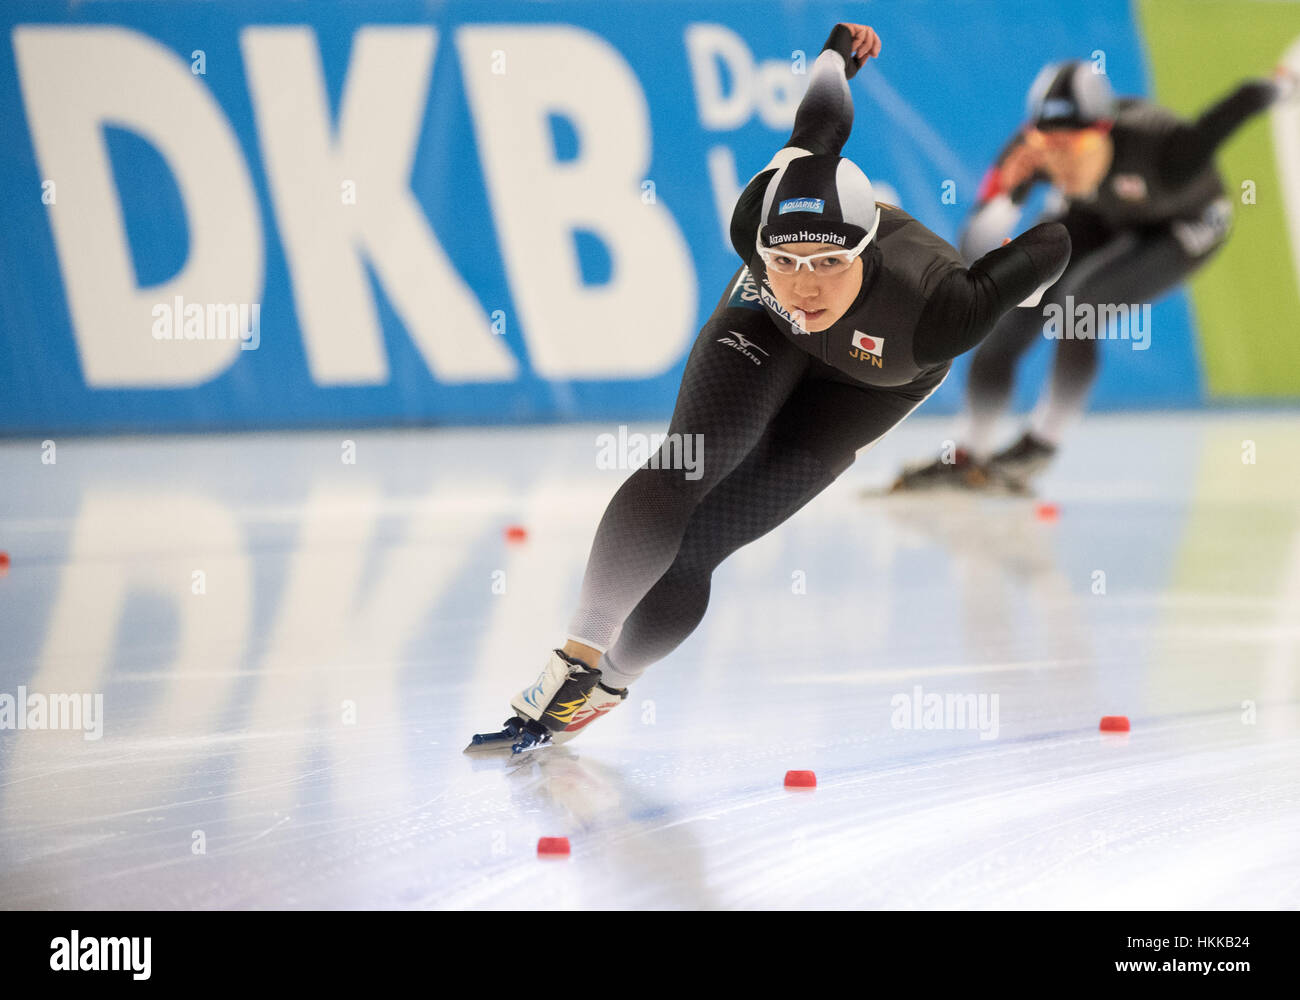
x: 291, y: 651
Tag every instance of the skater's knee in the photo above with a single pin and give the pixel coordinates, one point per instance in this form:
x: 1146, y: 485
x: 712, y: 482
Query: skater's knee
x: 995, y: 362
x: 831, y: 466
x: 1076, y: 358
x: 816, y: 460
x: 997, y: 356
x: 661, y: 490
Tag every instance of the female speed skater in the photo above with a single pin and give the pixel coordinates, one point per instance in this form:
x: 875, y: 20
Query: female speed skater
x: 844, y: 317
x: 1137, y: 189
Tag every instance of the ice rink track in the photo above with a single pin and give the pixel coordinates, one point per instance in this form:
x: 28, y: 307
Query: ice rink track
x: 293, y: 651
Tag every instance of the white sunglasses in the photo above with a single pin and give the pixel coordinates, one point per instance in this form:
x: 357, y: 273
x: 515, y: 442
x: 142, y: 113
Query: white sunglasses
x: 784, y: 262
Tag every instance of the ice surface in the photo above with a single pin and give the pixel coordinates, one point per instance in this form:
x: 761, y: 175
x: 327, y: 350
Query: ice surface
x: 285, y: 729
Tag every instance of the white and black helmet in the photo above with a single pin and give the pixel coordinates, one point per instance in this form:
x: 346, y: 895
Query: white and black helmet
x: 818, y: 198
x: 1068, y: 95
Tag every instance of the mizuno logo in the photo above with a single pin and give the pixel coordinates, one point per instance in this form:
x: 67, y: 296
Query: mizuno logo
x: 743, y: 345
x: 744, y: 341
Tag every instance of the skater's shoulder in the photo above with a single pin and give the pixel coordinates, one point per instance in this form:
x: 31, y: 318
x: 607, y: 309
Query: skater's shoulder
x: 905, y: 241
x: 1137, y: 114
x: 892, y: 219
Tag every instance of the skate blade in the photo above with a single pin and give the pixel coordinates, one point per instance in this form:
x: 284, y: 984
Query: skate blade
x: 893, y: 489
x: 1002, y: 486
x: 506, y: 741
x: 490, y: 742
x: 505, y: 748
x: 910, y: 491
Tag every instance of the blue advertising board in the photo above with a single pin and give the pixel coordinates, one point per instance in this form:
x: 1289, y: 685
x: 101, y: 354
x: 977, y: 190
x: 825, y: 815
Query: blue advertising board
x: 237, y: 214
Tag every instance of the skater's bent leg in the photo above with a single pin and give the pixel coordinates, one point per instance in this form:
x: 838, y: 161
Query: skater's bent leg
x: 1073, y: 372
x: 775, y: 481
x: 725, y: 403
x: 813, y: 440
x: 1128, y: 272
x: 992, y: 375
x: 993, y: 367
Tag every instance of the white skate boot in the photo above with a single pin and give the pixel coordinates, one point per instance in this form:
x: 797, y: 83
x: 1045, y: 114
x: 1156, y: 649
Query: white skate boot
x: 566, y: 697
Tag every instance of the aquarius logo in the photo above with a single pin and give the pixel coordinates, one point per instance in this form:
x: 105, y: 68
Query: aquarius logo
x: 801, y: 205
x: 1057, y: 107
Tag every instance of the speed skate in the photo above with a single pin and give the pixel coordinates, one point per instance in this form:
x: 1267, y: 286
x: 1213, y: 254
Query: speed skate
x: 567, y: 697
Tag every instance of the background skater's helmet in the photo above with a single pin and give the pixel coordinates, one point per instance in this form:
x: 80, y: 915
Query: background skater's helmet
x: 1070, y: 95
x: 818, y: 199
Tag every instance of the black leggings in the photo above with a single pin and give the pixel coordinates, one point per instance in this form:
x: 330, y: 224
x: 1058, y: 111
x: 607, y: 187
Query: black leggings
x: 775, y: 434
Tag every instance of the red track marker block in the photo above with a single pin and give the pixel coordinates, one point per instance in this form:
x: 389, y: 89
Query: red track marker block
x: 4, y: 563
x: 1047, y: 512
x: 800, y: 779
x: 1114, y: 723
x: 553, y: 847
x: 516, y: 533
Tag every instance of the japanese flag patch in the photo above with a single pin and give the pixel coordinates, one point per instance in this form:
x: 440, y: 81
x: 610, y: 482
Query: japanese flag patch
x: 871, y: 345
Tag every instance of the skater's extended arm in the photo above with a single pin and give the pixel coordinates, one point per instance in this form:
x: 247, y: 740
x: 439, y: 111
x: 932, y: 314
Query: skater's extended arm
x: 967, y: 302
x: 821, y: 124
x: 1188, y: 148
x: 1003, y: 190
x: 825, y: 115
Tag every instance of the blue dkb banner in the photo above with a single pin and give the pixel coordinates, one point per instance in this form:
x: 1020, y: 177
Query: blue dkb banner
x: 238, y: 214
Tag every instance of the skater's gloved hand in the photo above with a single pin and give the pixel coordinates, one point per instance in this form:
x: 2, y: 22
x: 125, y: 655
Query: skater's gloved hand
x: 866, y: 43
x: 1021, y: 164
x: 1287, y: 82
x: 856, y: 43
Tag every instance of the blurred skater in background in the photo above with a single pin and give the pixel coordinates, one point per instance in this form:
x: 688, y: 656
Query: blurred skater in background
x: 1137, y: 189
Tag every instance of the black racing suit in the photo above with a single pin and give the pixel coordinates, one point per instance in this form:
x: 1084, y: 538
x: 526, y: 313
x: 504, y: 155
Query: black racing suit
x: 781, y: 413
x: 1158, y: 214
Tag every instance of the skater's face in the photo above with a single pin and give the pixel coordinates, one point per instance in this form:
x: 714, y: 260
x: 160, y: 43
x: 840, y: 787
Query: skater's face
x: 824, y: 293
x: 1076, y: 159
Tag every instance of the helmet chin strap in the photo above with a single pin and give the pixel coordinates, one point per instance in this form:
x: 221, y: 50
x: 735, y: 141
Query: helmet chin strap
x: 874, y: 226
x: 870, y: 258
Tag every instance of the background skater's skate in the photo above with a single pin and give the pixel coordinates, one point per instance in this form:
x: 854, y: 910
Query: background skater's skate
x: 961, y: 473
x: 1021, y: 462
x: 964, y: 474
x: 566, y: 697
